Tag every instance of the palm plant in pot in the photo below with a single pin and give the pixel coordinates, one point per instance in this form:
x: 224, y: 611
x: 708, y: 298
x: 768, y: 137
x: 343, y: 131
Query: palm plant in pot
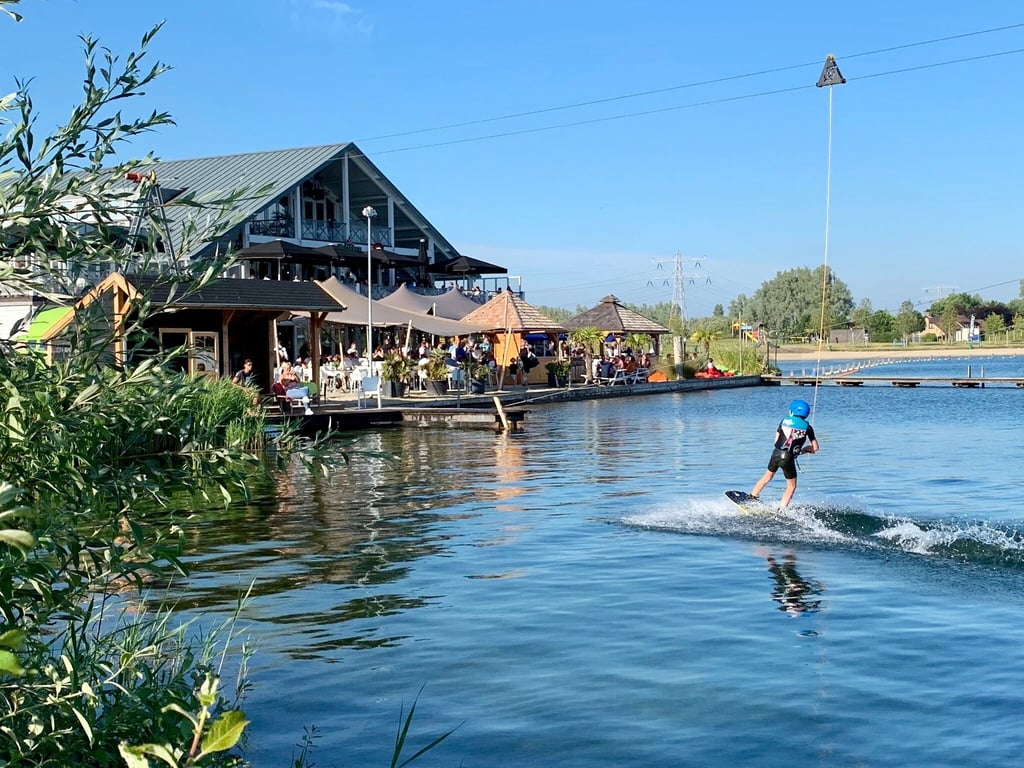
x: 478, y: 373
x: 558, y: 373
x: 591, y: 339
x: 395, y: 369
x: 438, y: 371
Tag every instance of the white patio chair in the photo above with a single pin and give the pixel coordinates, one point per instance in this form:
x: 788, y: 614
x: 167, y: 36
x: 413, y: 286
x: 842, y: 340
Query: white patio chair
x: 369, y: 386
x: 456, y: 379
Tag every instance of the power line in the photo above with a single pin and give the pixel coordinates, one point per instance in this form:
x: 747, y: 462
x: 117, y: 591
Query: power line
x: 684, y: 86
x: 692, y: 105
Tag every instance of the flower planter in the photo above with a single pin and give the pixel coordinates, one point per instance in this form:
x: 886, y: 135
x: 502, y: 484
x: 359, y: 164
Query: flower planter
x: 478, y: 387
x: 394, y: 389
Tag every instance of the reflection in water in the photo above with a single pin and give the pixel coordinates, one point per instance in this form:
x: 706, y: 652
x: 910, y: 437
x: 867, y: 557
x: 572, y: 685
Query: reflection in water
x: 508, y: 465
x: 327, y: 553
x: 794, y: 594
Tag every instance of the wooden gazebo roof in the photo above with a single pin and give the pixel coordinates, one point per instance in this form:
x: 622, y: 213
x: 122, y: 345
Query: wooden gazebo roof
x: 506, y: 311
x: 609, y: 315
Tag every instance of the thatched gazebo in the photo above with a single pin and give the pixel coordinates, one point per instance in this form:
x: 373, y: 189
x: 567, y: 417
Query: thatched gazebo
x: 611, y: 317
x: 508, y: 321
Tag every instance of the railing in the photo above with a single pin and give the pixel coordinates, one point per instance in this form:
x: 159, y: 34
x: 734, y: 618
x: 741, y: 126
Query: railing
x: 272, y: 227
x: 326, y: 231
x: 357, y: 233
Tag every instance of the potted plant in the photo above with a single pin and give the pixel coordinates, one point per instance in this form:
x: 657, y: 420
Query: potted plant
x: 478, y: 373
x: 558, y: 373
x: 438, y: 371
x: 394, y: 373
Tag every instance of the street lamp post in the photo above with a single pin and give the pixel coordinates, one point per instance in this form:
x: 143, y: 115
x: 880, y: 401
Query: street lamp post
x: 369, y: 212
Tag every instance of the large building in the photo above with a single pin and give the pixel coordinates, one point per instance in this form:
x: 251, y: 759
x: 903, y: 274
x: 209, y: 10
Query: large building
x: 303, y: 214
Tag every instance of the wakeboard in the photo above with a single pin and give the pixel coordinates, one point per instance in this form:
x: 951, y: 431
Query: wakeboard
x: 748, y: 503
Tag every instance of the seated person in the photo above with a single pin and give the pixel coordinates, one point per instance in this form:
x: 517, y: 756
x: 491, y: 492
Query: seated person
x: 288, y: 378
x: 711, y: 369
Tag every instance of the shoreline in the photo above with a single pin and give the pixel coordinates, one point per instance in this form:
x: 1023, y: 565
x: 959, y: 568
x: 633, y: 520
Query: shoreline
x: 790, y: 354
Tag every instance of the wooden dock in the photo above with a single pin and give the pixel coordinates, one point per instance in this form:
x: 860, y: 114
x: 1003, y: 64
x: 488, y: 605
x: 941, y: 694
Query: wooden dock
x: 337, y: 417
x: 901, y: 381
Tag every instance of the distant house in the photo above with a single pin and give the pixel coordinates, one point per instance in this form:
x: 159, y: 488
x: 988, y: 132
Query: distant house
x: 967, y: 328
x: 932, y: 327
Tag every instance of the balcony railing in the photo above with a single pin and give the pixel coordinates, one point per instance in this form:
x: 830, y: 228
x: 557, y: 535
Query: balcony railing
x: 327, y: 231
x: 282, y: 227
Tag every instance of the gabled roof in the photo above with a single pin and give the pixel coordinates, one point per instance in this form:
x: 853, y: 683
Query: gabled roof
x: 609, y: 315
x: 218, y: 176
x: 507, y: 311
x: 278, y: 171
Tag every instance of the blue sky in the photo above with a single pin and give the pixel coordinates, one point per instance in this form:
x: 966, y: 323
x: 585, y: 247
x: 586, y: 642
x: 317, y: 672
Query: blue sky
x: 588, y: 200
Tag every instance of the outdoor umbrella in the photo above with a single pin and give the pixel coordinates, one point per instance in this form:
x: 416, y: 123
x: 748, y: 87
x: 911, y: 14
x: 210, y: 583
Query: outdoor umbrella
x: 466, y: 265
x: 347, y: 254
x: 277, y: 249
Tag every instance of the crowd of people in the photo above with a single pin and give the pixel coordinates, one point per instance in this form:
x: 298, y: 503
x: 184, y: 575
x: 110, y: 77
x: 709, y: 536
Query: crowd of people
x: 342, y: 370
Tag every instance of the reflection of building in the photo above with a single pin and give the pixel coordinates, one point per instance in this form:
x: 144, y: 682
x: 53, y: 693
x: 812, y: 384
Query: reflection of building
x: 793, y: 593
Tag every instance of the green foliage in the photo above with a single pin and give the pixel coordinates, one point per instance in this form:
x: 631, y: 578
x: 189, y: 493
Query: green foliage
x: 791, y: 302
x: 862, y: 314
x: 558, y: 314
x: 91, y: 455
x: 590, y: 338
x: 882, y: 326
x: 703, y: 338
x: 403, y: 733
x: 477, y: 371
x: 437, y: 367
x: 949, y: 322
x: 395, y: 366
x: 908, y: 320
x: 958, y: 303
x: 638, y: 342
x: 994, y: 324
x: 92, y: 458
x: 558, y: 368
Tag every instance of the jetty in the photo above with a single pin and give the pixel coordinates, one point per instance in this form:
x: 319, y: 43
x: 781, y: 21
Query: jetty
x: 900, y: 381
x: 502, y: 410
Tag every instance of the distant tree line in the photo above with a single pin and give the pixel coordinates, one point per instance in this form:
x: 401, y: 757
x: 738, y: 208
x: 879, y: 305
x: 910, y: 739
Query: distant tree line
x: 789, y: 306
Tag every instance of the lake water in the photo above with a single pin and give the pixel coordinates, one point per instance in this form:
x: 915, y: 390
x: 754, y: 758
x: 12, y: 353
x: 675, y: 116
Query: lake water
x: 583, y: 595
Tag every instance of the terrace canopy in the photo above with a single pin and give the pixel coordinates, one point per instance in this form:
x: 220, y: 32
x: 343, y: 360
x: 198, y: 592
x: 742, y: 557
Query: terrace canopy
x: 451, y: 304
x: 385, y: 315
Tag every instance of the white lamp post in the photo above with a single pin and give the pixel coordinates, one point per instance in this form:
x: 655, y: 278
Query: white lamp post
x: 369, y: 212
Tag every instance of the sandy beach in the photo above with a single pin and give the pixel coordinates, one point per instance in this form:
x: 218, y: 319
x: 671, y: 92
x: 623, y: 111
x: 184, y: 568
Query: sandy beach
x: 811, y: 353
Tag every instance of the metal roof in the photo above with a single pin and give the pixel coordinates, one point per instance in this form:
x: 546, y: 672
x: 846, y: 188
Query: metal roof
x: 278, y: 172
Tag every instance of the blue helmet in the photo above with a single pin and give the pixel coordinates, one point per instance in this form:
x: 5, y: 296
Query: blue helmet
x: 799, y: 408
